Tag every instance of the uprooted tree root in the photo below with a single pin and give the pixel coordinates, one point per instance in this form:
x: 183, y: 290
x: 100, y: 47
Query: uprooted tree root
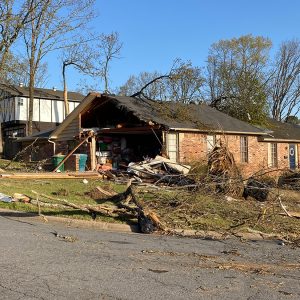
x: 222, y: 170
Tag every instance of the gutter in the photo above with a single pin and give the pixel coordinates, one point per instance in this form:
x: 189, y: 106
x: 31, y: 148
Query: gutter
x: 219, y: 131
x: 263, y: 139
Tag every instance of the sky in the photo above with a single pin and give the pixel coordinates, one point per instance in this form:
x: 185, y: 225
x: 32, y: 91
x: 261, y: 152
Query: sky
x: 155, y: 32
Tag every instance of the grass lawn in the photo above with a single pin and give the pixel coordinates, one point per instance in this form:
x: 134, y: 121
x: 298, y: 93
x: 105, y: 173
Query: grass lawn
x: 73, y: 190
x: 175, y: 208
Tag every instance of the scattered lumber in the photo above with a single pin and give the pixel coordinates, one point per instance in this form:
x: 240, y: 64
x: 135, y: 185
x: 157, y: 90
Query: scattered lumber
x: 160, y: 170
x: 50, y: 175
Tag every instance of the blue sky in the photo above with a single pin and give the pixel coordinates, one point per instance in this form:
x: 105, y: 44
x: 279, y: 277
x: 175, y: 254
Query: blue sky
x: 155, y: 32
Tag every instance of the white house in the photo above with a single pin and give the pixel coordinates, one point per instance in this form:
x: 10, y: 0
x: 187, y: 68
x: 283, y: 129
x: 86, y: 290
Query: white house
x: 48, y: 110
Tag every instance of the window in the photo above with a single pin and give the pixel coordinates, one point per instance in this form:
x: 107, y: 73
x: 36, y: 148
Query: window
x: 20, y: 102
x: 210, y: 142
x: 244, y: 149
x: 172, y: 145
x: 273, y: 156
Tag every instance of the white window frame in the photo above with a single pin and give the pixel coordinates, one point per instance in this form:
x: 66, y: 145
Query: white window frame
x: 20, y: 102
x: 210, y: 142
x: 244, y: 149
x: 172, y: 145
x: 273, y: 155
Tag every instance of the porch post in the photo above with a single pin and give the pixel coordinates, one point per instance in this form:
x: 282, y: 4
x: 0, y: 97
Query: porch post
x: 93, y: 153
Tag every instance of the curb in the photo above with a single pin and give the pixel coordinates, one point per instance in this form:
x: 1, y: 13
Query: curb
x: 71, y: 222
x: 213, y: 235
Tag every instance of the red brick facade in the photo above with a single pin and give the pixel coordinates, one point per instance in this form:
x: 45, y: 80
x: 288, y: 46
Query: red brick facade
x: 194, y: 146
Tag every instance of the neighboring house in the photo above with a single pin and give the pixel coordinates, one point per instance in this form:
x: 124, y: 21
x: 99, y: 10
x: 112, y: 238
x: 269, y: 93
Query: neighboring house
x: 48, y: 112
x: 283, y: 143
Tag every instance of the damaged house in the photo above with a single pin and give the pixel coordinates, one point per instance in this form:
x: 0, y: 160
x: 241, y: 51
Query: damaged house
x: 117, y: 130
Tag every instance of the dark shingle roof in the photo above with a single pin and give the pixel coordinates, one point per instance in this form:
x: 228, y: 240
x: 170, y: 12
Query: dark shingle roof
x: 15, y: 90
x: 42, y: 135
x: 283, y: 131
x: 179, y: 116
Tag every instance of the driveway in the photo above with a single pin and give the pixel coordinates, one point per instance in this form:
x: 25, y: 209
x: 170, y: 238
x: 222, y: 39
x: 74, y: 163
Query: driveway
x: 54, y: 261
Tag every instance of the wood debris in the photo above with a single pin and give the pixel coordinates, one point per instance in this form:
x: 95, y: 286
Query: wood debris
x: 126, y: 204
x: 50, y: 175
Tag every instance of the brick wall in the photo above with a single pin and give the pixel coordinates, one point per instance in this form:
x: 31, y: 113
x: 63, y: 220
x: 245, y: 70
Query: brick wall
x: 193, y: 146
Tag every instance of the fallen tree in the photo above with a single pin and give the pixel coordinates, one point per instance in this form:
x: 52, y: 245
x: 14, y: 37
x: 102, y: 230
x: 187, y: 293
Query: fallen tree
x: 126, y: 204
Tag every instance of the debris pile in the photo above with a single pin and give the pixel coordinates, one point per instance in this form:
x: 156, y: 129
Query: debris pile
x: 256, y: 189
x: 290, y: 181
x: 223, y: 171
x: 159, y: 170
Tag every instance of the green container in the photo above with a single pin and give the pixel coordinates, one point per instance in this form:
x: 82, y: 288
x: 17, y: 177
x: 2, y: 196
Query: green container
x: 103, y: 147
x: 82, y: 162
x: 56, y: 160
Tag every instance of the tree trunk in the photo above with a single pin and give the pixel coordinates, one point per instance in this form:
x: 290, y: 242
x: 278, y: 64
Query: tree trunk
x: 66, y: 102
x: 31, y: 97
x: 31, y: 79
x: 106, y: 77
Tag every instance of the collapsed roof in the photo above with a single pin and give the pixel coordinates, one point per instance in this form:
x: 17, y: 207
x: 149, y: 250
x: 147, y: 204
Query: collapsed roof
x: 180, y: 116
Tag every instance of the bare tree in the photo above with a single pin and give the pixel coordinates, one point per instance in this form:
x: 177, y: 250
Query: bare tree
x: 53, y: 23
x: 182, y: 84
x: 16, y: 70
x: 110, y: 47
x: 147, y: 85
x: 14, y: 15
x: 83, y: 58
x: 285, y: 84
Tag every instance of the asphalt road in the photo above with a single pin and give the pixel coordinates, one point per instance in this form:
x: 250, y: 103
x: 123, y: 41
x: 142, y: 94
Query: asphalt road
x: 53, y: 261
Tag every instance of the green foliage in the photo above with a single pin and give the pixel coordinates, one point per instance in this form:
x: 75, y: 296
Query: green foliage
x: 237, y: 77
x: 292, y: 120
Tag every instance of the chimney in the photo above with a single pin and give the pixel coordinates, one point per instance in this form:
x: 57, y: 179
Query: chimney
x: 54, y: 89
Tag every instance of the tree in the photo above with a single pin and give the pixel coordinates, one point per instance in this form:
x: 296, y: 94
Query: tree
x: 14, y: 15
x: 185, y: 83
x: 292, y: 120
x: 154, y: 87
x: 53, y: 22
x: 285, y: 84
x: 110, y: 48
x: 83, y: 58
x: 237, y: 77
x: 16, y: 70
x: 182, y: 84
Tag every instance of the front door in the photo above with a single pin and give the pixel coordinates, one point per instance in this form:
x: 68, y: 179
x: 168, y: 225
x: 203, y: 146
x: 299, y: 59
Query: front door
x: 292, y: 156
